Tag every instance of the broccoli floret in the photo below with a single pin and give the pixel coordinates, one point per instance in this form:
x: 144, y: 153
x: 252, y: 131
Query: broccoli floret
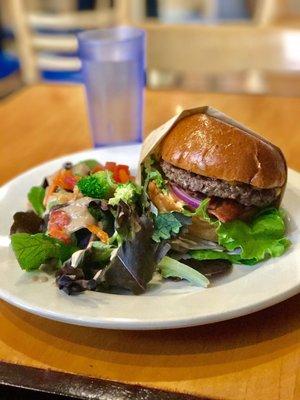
x: 127, y: 192
x: 99, y: 185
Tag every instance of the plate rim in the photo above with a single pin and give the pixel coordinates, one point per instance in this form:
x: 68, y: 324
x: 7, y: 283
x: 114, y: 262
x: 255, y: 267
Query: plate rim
x: 136, y: 324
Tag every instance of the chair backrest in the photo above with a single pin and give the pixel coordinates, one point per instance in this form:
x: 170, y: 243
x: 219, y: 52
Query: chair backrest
x: 32, y: 42
x: 222, y: 48
x: 188, y: 48
x: 274, y: 12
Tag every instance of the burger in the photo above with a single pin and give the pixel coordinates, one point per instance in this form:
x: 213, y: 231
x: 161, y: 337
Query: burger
x: 238, y: 174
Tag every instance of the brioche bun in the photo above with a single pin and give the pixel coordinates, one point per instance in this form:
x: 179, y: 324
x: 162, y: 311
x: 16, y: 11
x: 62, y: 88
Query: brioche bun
x: 210, y: 147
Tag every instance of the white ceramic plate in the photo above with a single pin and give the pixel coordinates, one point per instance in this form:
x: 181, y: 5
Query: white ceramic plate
x: 166, y: 304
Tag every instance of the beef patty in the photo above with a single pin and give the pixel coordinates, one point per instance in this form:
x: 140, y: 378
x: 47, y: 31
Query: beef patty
x: 241, y: 192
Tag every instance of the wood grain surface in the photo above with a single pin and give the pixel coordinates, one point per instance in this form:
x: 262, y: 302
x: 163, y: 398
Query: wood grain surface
x: 43, y: 122
x: 252, y: 357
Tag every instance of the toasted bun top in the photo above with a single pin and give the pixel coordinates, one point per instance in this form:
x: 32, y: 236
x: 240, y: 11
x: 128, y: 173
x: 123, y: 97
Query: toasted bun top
x: 207, y: 146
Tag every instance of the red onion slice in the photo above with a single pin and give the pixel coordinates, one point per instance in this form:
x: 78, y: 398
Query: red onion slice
x: 182, y: 195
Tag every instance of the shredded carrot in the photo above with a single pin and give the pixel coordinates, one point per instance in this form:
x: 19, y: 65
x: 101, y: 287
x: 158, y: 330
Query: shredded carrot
x: 51, y: 189
x: 64, y: 179
x: 103, y: 236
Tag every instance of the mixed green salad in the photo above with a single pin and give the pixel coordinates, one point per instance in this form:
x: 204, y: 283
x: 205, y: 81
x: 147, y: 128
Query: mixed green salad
x: 96, y: 229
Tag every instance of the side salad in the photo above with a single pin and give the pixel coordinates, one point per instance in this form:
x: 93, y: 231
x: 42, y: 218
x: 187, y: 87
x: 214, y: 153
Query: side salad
x: 96, y: 229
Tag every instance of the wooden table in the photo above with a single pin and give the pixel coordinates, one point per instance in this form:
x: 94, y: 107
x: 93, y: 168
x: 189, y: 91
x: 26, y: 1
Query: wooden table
x: 253, y: 357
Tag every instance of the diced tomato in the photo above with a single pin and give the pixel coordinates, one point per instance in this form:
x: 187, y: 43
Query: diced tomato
x: 57, y: 223
x: 59, y: 218
x: 60, y: 235
x: 66, y: 180
x: 97, y: 168
x: 120, y: 172
x: 124, y: 167
x: 69, y: 182
x: 63, y: 179
x: 110, y: 166
x: 123, y: 176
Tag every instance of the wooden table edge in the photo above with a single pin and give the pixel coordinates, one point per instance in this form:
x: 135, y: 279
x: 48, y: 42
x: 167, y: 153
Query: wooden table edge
x: 78, y: 386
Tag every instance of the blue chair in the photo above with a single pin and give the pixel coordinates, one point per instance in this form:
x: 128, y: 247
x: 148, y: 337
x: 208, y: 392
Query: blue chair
x: 9, y: 64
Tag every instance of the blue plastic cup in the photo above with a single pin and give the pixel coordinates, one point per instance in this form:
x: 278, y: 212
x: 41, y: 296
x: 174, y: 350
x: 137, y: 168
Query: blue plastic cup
x: 113, y: 68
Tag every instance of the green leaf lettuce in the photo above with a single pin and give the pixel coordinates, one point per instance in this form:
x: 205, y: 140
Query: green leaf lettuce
x: 170, y: 268
x: 152, y: 174
x: 256, y: 241
x: 36, y: 197
x: 168, y: 225
x: 34, y: 250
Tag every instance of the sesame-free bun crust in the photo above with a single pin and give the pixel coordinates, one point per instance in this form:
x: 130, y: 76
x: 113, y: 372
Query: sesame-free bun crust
x: 207, y: 146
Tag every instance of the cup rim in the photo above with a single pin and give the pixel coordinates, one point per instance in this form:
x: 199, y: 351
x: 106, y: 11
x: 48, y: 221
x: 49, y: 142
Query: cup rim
x: 86, y: 37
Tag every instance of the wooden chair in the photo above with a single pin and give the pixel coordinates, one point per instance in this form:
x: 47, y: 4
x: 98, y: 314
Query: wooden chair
x: 172, y: 50
x: 31, y: 43
x: 217, y: 50
x: 278, y: 12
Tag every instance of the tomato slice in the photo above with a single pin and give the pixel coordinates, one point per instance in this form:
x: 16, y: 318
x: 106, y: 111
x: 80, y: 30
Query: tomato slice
x: 110, y: 166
